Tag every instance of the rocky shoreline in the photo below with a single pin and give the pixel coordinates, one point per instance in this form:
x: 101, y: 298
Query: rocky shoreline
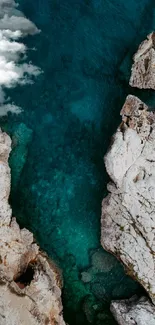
x: 30, y: 283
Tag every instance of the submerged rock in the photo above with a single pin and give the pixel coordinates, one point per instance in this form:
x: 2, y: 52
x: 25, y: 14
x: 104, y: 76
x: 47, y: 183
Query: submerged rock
x: 21, y: 138
x: 30, y: 286
x: 134, y: 311
x: 143, y: 69
x: 128, y: 212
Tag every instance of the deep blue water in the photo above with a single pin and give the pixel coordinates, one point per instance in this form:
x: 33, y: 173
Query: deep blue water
x: 73, y: 109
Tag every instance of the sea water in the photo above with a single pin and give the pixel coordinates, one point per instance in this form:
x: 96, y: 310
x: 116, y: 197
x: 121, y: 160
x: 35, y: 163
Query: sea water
x: 70, y: 113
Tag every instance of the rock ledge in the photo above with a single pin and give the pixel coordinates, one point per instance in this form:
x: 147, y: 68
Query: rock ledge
x: 143, y: 69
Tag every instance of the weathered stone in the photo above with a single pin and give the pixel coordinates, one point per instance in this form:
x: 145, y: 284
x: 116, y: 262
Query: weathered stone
x: 143, y: 69
x: 134, y: 311
x: 30, y: 286
x: 128, y: 212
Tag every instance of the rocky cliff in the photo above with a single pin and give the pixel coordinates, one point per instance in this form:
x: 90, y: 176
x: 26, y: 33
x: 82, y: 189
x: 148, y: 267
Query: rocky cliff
x: 128, y: 212
x: 30, y: 285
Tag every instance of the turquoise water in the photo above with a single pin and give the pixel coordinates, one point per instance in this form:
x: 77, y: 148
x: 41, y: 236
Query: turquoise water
x: 70, y: 113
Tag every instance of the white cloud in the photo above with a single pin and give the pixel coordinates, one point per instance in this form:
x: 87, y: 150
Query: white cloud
x: 6, y: 107
x: 13, y: 25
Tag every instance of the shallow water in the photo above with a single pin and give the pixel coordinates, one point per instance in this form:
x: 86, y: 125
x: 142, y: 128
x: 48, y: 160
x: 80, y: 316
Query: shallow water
x: 73, y: 109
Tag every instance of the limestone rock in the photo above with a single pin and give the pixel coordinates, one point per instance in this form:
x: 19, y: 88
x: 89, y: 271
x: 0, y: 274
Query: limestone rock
x: 143, y: 69
x: 5, y: 210
x: 128, y: 212
x: 30, y: 290
x: 134, y: 311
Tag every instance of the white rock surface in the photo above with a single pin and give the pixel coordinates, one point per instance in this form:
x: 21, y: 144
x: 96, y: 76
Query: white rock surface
x: 128, y: 212
x: 134, y: 311
x: 30, y: 292
x: 143, y: 69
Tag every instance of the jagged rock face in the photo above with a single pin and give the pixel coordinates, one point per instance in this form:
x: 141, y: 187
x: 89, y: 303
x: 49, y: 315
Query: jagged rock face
x: 143, y: 69
x: 30, y: 290
x: 134, y: 311
x: 128, y: 212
